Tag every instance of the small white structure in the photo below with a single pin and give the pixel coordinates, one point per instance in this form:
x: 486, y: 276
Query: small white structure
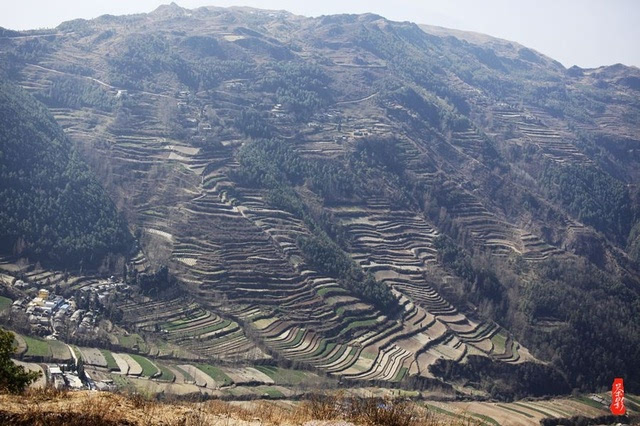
x: 73, y: 381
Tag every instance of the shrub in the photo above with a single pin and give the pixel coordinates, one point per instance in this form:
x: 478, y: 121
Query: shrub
x: 383, y: 412
x: 13, y: 378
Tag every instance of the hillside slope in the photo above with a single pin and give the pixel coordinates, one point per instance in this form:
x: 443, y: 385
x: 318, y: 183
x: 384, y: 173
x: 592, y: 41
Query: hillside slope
x: 363, y: 197
x: 53, y: 209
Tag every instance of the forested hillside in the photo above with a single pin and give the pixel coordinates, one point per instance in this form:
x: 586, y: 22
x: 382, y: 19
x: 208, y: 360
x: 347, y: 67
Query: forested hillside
x: 373, y: 200
x: 53, y: 209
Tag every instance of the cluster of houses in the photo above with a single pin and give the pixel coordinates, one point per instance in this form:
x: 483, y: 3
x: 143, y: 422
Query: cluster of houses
x: 103, y: 289
x: 48, y: 312
x: 191, y: 114
x: 63, y: 376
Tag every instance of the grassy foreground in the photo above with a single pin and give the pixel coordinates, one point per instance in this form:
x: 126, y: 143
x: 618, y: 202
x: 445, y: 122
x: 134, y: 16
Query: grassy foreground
x: 51, y: 407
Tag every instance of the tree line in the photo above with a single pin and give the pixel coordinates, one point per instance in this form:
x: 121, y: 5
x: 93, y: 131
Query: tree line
x: 53, y: 209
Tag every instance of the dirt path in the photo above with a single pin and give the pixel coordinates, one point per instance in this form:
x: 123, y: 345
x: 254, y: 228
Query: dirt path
x: 357, y: 100
x: 36, y: 36
x: 102, y: 83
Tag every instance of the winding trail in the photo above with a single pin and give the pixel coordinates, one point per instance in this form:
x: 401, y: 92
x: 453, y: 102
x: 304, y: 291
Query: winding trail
x: 102, y: 83
x: 357, y: 100
x: 22, y: 37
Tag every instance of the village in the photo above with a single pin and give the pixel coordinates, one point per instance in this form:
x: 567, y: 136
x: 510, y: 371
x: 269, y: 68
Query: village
x: 49, y: 312
x: 73, y: 377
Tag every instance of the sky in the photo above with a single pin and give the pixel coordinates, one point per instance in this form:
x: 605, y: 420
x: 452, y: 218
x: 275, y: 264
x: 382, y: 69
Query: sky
x: 587, y: 33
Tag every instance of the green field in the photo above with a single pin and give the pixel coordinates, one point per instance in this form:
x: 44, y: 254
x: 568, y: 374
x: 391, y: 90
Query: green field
x: 337, y: 355
x: 214, y: 327
x: 298, y: 339
x: 111, y: 362
x: 5, y: 303
x: 331, y: 290
x: 439, y: 410
x: 132, y: 341
x: 199, y: 331
x: 77, y: 352
x: 499, y: 342
x: 37, y: 347
x: 633, y: 398
x: 148, y: 369
x: 271, y: 392
x: 216, y: 374
x: 59, y: 350
x: 466, y: 417
x: 122, y: 382
x: 184, y: 321
x: 632, y: 404
x: 356, y: 324
x: 515, y: 411
x: 186, y: 375
x: 590, y: 402
x: 401, y: 374
x: 324, y: 348
x: 536, y: 409
x: 283, y: 376
x: 485, y: 419
x: 166, y: 374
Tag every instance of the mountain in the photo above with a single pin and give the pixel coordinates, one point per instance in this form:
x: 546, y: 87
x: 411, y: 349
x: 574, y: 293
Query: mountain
x: 53, y: 209
x: 371, y: 199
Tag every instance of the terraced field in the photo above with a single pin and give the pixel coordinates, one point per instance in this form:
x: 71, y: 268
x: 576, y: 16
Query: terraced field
x: 523, y: 413
x: 153, y: 375
x: 170, y: 157
x: 186, y: 325
x: 239, y: 259
x: 42, y: 278
x: 530, y: 128
x: 397, y: 246
x: 172, y: 377
x: 179, y: 377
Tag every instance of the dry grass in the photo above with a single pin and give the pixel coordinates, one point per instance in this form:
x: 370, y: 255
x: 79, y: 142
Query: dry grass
x: 51, y: 407
x: 370, y: 411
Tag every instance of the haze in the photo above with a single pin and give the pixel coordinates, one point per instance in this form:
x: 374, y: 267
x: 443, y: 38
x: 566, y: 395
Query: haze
x: 587, y: 33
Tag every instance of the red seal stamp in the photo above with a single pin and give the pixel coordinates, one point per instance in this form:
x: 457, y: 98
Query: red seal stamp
x: 617, y: 398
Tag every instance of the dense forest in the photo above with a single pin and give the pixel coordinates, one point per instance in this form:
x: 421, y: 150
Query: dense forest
x: 593, y: 197
x: 53, y: 209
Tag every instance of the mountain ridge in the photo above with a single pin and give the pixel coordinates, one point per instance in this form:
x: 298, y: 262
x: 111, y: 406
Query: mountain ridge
x: 488, y: 189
